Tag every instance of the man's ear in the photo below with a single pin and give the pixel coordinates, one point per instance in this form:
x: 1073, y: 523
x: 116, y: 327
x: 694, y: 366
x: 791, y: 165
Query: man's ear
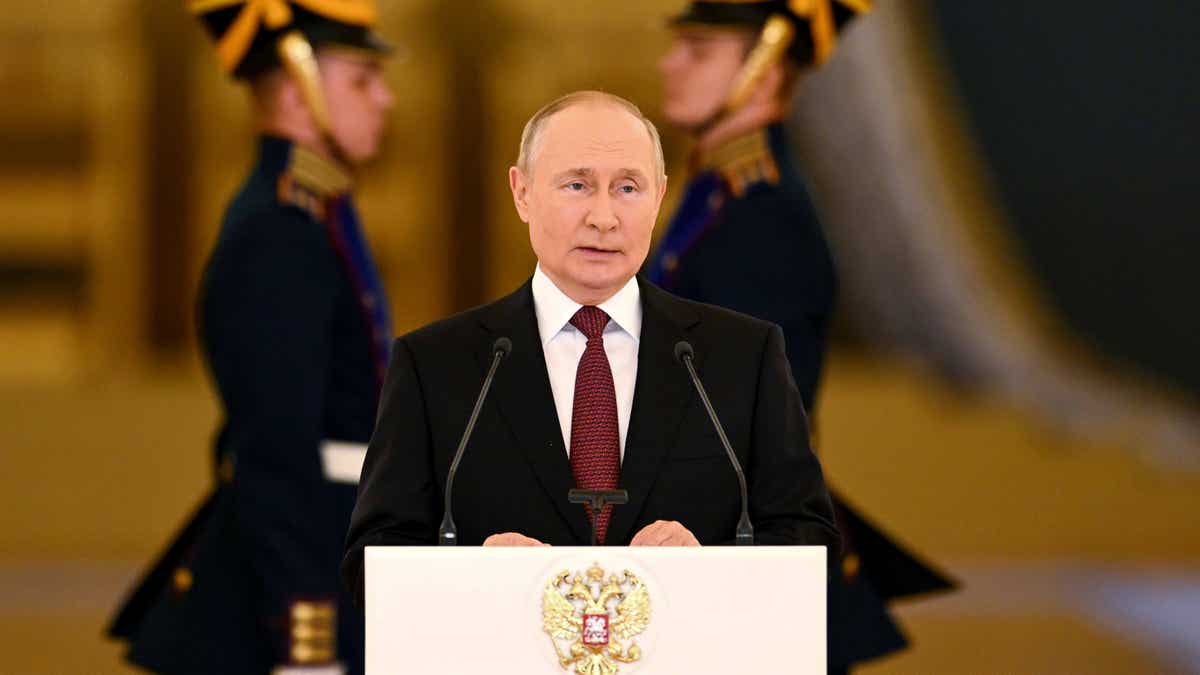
x: 520, y: 191
x: 287, y: 95
x: 771, y: 88
x: 662, y: 192
x: 290, y: 105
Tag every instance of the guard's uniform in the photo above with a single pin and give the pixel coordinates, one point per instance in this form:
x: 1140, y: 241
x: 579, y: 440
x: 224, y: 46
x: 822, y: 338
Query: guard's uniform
x: 295, y: 330
x: 746, y: 237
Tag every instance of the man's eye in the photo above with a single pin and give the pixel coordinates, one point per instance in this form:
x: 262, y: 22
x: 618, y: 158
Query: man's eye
x: 575, y: 186
x: 627, y: 189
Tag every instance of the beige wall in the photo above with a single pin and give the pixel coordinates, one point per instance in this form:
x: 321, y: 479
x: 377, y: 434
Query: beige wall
x: 79, y: 204
x: 72, y: 82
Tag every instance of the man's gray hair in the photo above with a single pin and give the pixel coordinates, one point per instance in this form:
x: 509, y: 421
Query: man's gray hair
x: 533, y: 128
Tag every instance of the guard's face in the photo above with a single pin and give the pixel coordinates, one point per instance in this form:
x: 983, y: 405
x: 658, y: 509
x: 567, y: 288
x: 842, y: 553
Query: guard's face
x: 359, y: 100
x: 591, y: 199
x: 698, y: 72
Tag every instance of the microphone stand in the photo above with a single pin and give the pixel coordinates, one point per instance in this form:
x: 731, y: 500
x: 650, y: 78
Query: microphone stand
x: 448, y: 532
x: 745, y: 531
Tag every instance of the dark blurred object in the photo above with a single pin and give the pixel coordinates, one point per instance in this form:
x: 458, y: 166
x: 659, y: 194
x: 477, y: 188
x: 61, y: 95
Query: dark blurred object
x: 168, y: 564
x: 895, y: 573
x: 1087, y: 114
x: 924, y: 255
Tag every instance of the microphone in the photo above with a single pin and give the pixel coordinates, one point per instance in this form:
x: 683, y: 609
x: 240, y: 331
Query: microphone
x: 745, y: 531
x: 448, y: 532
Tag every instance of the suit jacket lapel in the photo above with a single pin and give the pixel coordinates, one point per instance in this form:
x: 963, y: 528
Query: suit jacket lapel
x: 660, y: 397
x: 522, y: 395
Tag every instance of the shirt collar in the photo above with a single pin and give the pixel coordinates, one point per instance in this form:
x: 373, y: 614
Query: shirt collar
x: 554, y: 308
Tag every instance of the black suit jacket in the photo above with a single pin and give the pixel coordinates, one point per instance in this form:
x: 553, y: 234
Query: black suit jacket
x: 515, y: 475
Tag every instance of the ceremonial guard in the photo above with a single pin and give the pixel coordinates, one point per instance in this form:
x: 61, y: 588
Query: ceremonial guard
x: 746, y: 236
x: 295, y: 330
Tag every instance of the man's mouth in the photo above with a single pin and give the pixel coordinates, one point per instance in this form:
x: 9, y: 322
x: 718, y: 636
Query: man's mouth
x: 597, y: 249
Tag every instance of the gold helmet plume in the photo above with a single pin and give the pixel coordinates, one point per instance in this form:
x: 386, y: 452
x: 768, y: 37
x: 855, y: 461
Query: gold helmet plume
x: 252, y: 36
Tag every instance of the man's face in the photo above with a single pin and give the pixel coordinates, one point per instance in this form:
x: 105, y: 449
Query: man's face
x: 698, y: 72
x: 359, y: 100
x: 591, y: 199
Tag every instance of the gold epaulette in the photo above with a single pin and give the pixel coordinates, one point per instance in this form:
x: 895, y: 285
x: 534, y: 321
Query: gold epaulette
x: 744, y: 161
x: 313, y: 632
x: 310, y: 181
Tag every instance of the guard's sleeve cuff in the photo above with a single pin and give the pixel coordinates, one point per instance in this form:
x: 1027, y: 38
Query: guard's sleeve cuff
x: 313, y: 633
x: 331, y: 669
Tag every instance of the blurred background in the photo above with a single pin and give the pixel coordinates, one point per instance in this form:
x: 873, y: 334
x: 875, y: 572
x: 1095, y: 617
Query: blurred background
x: 1008, y: 189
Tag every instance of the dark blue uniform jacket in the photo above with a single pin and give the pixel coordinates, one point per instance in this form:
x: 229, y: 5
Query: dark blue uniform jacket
x: 292, y: 321
x: 746, y: 236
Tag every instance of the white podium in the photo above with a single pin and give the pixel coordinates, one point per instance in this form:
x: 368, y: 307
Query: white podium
x: 595, y: 611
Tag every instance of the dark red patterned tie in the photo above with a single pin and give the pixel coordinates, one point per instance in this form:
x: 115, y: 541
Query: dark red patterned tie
x: 595, y: 440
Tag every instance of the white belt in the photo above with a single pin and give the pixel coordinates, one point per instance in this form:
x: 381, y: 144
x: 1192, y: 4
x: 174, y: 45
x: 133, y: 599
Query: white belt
x: 342, y: 462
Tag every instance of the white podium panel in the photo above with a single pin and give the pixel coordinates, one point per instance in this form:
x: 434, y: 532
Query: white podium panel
x: 595, y: 611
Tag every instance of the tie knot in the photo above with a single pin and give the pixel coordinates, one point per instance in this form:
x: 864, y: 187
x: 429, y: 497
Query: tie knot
x: 590, y: 320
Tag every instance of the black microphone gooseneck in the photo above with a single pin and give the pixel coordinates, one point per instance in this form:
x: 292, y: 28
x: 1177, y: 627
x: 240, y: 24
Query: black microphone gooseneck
x: 745, y: 531
x: 448, y: 532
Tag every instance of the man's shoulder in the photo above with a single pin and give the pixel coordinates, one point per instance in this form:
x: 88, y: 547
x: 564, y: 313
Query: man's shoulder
x: 260, y: 204
x: 785, y: 201
x: 705, y: 317
x: 777, y: 227
x: 451, y: 328
x: 265, y: 220
x: 265, y: 240
x: 471, y: 326
x: 269, y: 234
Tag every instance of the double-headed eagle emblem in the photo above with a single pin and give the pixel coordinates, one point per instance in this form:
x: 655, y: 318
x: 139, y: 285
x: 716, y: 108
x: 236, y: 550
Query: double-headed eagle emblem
x: 592, y: 615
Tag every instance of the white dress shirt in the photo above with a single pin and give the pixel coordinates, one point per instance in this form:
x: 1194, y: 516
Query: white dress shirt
x: 563, y: 345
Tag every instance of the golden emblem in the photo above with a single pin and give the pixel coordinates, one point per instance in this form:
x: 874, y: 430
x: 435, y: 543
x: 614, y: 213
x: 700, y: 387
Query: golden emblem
x: 592, y: 616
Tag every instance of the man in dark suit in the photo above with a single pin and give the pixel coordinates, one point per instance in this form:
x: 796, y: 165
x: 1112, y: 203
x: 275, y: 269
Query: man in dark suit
x: 591, y: 395
x: 747, y: 236
x: 295, y: 330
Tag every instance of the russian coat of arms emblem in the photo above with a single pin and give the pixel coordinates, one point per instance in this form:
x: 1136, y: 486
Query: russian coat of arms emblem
x: 588, y: 616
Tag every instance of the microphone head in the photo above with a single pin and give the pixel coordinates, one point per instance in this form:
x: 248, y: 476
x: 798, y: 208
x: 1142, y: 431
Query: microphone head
x: 683, y: 350
x: 502, y: 346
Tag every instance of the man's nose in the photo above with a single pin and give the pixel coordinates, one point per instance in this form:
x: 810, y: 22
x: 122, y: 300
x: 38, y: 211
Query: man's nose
x: 602, y: 216
x: 669, y: 63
